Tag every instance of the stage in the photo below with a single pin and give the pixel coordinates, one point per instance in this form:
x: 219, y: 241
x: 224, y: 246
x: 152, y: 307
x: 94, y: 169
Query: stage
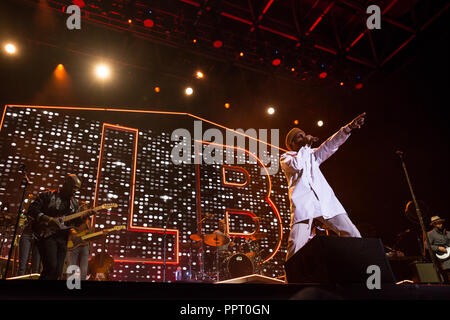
x: 195, y: 291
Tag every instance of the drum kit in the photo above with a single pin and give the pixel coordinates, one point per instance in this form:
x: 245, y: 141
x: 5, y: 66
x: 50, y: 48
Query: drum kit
x: 230, y: 261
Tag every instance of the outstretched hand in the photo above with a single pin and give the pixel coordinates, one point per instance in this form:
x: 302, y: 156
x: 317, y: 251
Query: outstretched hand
x: 357, y: 122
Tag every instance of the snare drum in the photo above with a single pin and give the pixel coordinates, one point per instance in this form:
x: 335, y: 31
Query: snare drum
x: 238, y: 265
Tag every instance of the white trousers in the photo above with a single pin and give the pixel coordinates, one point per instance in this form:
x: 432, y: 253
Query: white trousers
x: 301, y: 232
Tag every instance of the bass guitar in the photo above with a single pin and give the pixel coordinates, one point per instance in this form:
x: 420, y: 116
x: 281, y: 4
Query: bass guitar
x: 83, y: 239
x: 42, y: 229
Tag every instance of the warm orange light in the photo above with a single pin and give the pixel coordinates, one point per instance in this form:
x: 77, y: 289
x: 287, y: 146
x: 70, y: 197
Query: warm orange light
x: 130, y: 21
x: 10, y: 48
x: 241, y: 54
x: 341, y: 83
x: 320, y: 123
x: 189, y: 91
x: 292, y: 69
x: 194, y: 41
x: 60, y: 72
x: 157, y: 89
x: 271, y: 110
x: 227, y: 105
x: 199, y: 75
x: 296, y: 122
x: 102, y: 71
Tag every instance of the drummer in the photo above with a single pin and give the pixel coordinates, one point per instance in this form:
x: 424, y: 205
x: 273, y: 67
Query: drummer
x: 224, y: 250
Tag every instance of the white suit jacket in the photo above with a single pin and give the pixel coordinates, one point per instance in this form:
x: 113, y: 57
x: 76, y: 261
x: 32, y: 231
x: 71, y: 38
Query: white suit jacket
x: 309, y: 192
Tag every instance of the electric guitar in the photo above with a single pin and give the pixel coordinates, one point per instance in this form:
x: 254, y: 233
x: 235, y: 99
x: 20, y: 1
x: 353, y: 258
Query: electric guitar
x: 442, y: 255
x: 82, y: 239
x: 42, y: 229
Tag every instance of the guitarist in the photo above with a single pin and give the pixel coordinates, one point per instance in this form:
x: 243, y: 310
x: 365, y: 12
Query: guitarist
x: 45, y: 208
x: 439, y: 241
x: 80, y: 255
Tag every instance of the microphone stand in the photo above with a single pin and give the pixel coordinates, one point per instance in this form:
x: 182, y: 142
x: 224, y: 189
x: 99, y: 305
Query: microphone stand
x: 25, y: 181
x: 419, y: 216
x: 164, y: 241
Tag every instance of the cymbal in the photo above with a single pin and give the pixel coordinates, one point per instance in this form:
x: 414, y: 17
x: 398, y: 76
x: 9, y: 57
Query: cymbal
x: 215, y: 239
x: 195, y: 237
x: 258, y: 236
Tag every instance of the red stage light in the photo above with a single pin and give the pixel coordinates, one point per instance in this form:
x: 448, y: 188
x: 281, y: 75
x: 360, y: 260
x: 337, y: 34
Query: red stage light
x: 276, y: 62
x: 79, y: 3
x: 323, y: 75
x: 217, y: 44
x: 359, y: 86
x: 149, y: 23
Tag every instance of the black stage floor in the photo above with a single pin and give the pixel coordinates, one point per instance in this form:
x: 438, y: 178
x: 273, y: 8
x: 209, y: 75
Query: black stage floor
x: 94, y: 290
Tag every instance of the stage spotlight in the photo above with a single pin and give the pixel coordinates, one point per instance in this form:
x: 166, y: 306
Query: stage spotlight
x: 320, y: 123
x: 130, y: 21
x: 217, y: 44
x: 323, y: 75
x: 227, y: 105
x: 293, y: 69
x: 157, y: 89
x: 276, y: 62
x: 10, y: 48
x: 189, y: 91
x: 296, y: 122
x: 199, y: 75
x: 341, y: 83
x: 194, y: 40
x: 102, y: 71
x: 149, y: 23
x: 358, y: 86
x: 271, y: 110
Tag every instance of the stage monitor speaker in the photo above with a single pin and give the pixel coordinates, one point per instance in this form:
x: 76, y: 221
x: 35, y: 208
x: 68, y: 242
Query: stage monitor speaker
x: 333, y: 260
x: 424, y: 272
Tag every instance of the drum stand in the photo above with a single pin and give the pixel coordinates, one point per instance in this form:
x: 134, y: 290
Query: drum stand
x: 217, y: 263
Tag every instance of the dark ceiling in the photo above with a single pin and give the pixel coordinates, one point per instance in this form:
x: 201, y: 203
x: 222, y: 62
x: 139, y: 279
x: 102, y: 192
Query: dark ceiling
x: 311, y: 36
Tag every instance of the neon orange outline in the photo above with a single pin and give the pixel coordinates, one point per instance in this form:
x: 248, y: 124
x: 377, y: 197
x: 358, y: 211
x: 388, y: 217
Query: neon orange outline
x: 130, y: 226
x: 234, y: 184
x: 238, y: 211
x: 146, y: 111
x: 173, y: 113
x: 271, y: 203
x: 3, y: 117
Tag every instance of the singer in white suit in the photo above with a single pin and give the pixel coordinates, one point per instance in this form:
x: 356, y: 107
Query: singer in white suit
x: 310, y: 195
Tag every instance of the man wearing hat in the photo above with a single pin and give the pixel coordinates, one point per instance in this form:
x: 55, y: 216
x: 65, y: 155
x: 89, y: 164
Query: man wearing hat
x: 46, y: 207
x: 310, y: 195
x: 439, y: 241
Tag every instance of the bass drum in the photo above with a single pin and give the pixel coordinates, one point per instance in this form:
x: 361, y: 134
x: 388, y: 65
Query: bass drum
x: 238, y: 265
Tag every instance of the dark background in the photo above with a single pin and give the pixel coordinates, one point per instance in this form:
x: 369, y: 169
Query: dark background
x: 405, y: 104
